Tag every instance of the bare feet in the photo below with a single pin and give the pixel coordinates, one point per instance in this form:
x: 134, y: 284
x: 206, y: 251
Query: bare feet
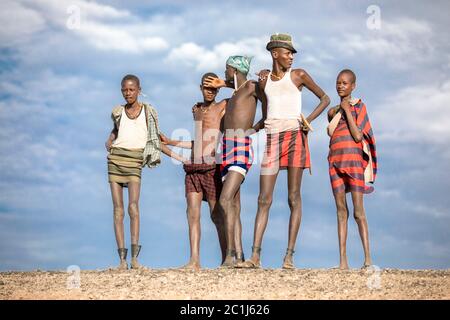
x: 343, y: 266
x: 367, y: 266
x: 191, y: 265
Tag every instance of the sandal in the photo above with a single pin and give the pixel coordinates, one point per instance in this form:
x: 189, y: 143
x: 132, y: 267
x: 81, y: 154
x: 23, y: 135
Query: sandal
x: 288, y: 264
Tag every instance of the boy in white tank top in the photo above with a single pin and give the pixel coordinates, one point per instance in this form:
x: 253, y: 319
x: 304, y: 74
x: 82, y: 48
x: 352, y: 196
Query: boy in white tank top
x: 287, y: 144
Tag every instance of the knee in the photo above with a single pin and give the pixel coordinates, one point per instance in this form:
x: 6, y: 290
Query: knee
x: 264, y: 201
x: 294, y: 199
x: 341, y: 208
x: 225, y: 201
x: 133, y: 209
x: 359, y: 214
x: 342, y: 214
x: 193, y: 214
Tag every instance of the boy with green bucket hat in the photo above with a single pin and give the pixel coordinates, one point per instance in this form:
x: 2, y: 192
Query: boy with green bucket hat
x: 287, y: 144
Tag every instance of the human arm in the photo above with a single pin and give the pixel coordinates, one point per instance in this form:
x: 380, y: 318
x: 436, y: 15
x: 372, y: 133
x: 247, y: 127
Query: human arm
x: 111, y: 138
x: 176, y: 143
x: 263, y: 98
x: 217, y: 83
x: 169, y: 152
x: 354, y: 130
x: 303, y: 78
x: 332, y: 112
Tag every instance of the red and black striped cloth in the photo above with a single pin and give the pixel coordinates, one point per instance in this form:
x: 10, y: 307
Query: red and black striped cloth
x: 286, y: 149
x: 347, y: 159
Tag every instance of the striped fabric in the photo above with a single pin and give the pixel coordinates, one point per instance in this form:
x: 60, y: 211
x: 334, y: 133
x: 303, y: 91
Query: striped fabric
x: 286, y: 149
x: 236, y: 152
x: 125, y: 165
x: 347, y: 160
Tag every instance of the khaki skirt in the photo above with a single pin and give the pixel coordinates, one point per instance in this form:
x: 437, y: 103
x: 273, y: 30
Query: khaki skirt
x: 125, y: 165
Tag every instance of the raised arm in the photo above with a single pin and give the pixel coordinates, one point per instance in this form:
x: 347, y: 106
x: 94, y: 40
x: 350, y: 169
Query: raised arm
x: 308, y: 82
x: 217, y: 83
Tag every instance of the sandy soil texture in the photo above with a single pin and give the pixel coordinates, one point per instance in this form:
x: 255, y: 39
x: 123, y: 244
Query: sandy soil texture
x: 227, y: 284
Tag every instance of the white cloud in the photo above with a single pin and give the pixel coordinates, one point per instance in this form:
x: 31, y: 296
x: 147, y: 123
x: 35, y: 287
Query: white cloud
x: 98, y: 25
x: 107, y: 37
x: 204, y: 59
x: 18, y: 23
x: 399, y: 43
x: 415, y: 114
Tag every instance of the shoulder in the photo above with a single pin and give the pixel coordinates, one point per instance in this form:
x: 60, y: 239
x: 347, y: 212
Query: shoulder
x: 223, y: 103
x: 251, y: 85
x: 359, y: 104
x: 196, y: 106
x: 149, y: 108
x: 333, y: 110
x: 301, y: 73
x: 117, y: 110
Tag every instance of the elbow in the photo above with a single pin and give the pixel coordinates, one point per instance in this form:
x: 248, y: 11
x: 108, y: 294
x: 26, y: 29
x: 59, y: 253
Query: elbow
x: 359, y: 137
x: 326, y: 100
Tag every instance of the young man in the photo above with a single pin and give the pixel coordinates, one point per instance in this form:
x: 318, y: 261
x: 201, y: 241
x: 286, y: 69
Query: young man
x: 133, y: 143
x: 352, y: 161
x: 287, y: 145
x: 236, y: 147
x: 203, y: 180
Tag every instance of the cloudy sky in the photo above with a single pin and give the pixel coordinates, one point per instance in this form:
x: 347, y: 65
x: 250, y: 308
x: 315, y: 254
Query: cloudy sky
x: 61, y: 63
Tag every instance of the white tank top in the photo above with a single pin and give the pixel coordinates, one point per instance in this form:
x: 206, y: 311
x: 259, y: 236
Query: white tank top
x: 284, y: 104
x: 132, y: 132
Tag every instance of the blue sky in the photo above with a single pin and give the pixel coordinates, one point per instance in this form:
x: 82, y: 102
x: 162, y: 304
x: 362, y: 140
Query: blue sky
x: 59, y: 84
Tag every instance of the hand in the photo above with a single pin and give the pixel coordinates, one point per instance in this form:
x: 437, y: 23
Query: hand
x: 345, y: 105
x: 108, y: 144
x: 195, y: 107
x: 214, y: 82
x: 305, y: 128
x: 306, y: 125
x: 263, y: 74
x: 165, y: 140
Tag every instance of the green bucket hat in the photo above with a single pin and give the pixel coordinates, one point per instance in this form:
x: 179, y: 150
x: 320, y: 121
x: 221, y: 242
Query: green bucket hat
x: 280, y: 40
x: 241, y: 63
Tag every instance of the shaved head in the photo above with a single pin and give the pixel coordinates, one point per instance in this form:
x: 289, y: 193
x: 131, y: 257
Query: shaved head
x: 349, y: 72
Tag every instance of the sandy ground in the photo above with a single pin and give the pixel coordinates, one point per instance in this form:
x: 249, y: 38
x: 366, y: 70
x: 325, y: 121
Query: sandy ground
x: 228, y: 284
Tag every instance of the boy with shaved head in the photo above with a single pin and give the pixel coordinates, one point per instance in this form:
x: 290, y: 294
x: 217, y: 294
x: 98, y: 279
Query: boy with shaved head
x: 203, y: 181
x: 352, y: 161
